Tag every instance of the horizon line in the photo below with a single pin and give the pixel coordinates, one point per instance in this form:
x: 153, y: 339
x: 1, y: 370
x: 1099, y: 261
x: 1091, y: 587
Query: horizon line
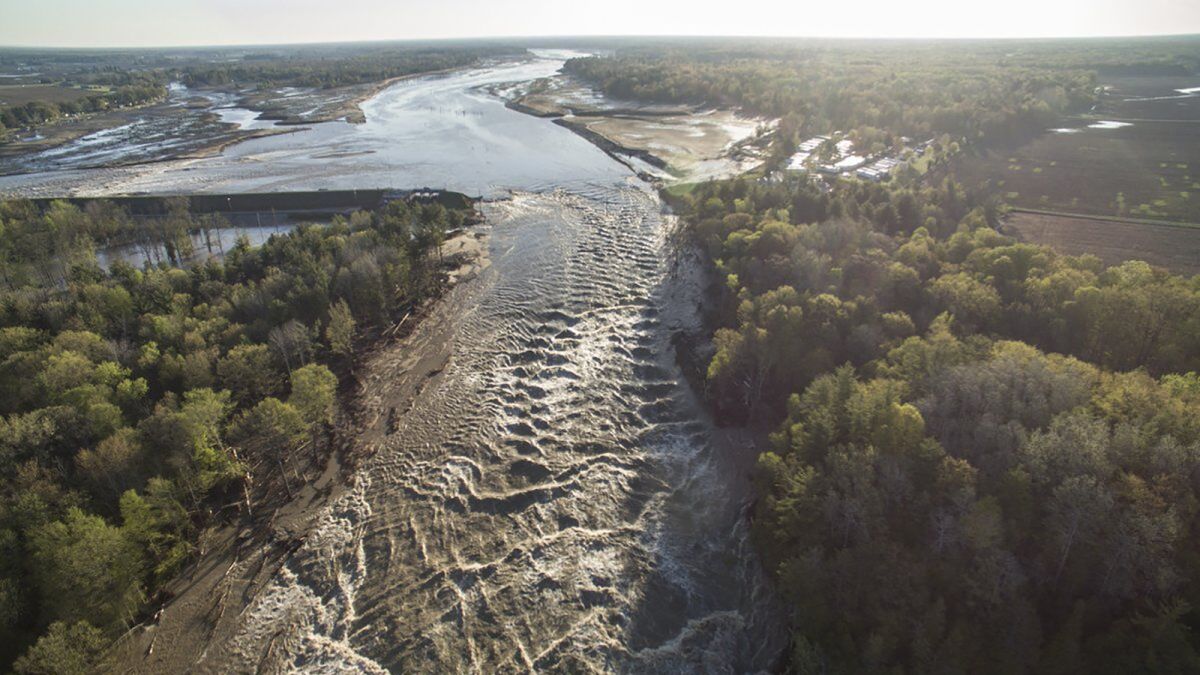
x: 647, y: 36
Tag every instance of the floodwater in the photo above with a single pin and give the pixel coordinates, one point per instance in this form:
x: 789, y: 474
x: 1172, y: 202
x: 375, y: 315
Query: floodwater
x: 184, y: 123
x: 555, y: 499
x: 446, y: 131
x: 214, y: 245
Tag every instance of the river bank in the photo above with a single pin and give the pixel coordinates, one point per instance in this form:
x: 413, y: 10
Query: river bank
x: 202, y: 608
x: 191, y: 125
x: 663, y: 144
x: 338, y: 104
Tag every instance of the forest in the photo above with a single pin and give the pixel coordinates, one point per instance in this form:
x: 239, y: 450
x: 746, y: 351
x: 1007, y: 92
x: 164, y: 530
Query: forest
x: 984, y: 456
x: 320, y: 70
x: 883, y: 90
x: 139, y: 406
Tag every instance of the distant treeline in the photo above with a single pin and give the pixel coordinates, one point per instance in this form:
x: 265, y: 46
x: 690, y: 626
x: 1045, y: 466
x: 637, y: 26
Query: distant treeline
x: 986, y: 455
x: 138, y: 406
x: 916, y: 90
x: 306, y: 71
x: 325, y: 73
x: 40, y: 112
x: 318, y: 67
x: 988, y: 92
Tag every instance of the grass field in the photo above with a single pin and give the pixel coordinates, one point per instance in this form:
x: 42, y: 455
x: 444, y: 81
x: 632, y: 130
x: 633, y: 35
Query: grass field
x: 21, y: 94
x: 1147, y: 166
x: 1175, y: 247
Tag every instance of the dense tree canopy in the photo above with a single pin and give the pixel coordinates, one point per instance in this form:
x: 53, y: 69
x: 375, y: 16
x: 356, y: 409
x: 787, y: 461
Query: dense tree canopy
x: 135, y: 401
x: 881, y: 91
x: 987, y: 456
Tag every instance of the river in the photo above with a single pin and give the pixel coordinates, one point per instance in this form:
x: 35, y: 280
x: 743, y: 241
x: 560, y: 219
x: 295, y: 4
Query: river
x: 443, y: 131
x: 556, y: 499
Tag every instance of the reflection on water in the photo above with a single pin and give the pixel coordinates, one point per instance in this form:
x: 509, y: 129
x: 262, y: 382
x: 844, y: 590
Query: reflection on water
x: 214, y: 244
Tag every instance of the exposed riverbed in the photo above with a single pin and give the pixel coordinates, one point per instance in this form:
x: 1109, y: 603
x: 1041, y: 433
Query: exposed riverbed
x: 555, y: 498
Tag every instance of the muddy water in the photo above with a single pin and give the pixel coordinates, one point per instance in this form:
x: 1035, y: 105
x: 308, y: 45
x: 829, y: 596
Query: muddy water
x: 444, y: 131
x: 554, y: 499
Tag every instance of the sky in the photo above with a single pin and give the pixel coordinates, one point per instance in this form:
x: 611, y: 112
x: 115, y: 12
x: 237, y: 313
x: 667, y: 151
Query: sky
x: 141, y: 23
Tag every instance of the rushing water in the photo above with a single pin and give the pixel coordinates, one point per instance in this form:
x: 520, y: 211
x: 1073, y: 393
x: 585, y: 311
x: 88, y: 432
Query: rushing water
x: 555, y: 499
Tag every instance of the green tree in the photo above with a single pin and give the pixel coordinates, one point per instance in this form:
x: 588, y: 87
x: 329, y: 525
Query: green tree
x: 339, y: 331
x: 314, y: 393
x: 159, y: 524
x: 270, y: 426
x: 65, y: 649
x: 248, y: 373
x: 87, y: 570
x: 113, y: 466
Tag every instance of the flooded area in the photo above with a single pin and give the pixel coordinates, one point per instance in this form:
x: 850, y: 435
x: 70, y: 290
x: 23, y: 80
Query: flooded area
x: 446, y: 131
x: 408, y: 129
x: 212, y: 244
x: 189, y: 121
x: 555, y: 497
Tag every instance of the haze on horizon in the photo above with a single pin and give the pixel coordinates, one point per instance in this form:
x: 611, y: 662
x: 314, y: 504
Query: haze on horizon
x: 145, y: 23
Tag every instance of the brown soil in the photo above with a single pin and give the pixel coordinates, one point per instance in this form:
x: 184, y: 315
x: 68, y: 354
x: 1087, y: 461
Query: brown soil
x: 332, y: 104
x: 1175, y: 247
x: 20, y: 94
x: 238, y: 560
x: 680, y: 143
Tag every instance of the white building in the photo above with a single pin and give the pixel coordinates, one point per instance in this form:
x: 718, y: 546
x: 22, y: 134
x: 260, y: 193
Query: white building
x: 879, y: 170
x: 798, y: 161
x: 849, y: 163
x: 812, y: 144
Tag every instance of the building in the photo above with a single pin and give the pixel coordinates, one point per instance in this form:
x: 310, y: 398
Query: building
x: 849, y: 163
x: 879, y: 170
x: 798, y: 161
x: 812, y: 144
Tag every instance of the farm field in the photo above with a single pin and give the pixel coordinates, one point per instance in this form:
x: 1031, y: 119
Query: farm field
x: 1137, y: 154
x: 20, y: 94
x: 1176, y: 248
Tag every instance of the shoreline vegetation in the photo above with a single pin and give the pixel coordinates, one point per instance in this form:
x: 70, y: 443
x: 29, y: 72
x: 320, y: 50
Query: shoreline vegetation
x: 145, y: 410
x: 934, y: 406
